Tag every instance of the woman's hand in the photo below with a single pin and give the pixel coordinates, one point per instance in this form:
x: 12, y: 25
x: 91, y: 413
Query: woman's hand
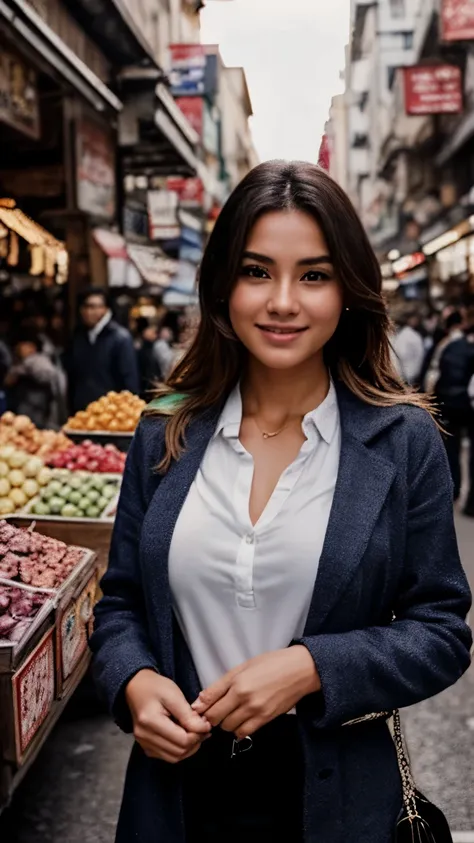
x: 258, y: 691
x: 164, y: 724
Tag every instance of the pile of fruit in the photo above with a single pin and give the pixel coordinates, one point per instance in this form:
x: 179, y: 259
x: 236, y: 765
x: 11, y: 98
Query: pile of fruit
x: 116, y: 412
x: 18, y: 609
x: 20, y: 432
x: 35, y: 560
x: 89, y: 457
x: 75, y: 494
x: 21, y: 477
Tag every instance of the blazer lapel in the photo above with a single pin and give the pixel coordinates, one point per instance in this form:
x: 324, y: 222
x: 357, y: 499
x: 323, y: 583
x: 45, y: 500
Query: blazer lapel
x: 363, y: 483
x: 159, y: 525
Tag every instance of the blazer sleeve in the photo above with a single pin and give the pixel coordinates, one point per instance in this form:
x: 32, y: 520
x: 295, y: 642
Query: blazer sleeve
x: 120, y: 642
x: 427, y: 647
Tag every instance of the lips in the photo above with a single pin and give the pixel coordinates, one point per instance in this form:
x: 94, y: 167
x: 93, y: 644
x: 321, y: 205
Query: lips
x: 288, y: 329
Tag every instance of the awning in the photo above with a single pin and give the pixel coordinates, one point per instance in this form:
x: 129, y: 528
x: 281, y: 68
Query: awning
x: 112, y: 244
x: 154, y: 267
x: 50, y: 47
x: 460, y: 136
x: 113, y: 27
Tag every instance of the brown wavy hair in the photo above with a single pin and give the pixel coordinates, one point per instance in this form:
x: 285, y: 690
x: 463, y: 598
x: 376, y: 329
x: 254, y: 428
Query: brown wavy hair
x: 358, y: 353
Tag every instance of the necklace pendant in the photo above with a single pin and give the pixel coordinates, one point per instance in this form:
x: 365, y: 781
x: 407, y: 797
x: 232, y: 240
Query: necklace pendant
x: 266, y: 435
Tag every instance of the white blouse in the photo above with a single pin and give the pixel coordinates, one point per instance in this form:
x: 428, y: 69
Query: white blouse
x: 240, y: 590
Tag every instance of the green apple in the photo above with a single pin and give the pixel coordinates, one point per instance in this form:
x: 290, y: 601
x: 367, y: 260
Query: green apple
x: 84, y: 504
x: 75, y: 483
x: 74, y: 497
x: 56, y: 504
x: 93, y: 495
x: 55, y: 487
x: 65, y: 492
x: 69, y: 511
x: 93, y: 512
x: 109, y: 491
x: 102, y: 503
x: 41, y: 508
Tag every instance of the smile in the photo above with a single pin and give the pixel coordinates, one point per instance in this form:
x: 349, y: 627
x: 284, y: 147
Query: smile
x: 281, y: 335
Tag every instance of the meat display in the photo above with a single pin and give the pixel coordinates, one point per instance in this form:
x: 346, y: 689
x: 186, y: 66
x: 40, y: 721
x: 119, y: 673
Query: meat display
x: 33, y: 559
x: 18, y: 609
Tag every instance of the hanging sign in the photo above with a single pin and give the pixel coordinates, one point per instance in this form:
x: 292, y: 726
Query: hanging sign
x: 433, y: 90
x: 457, y: 20
x: 19, y: 102
x: 95, y: 157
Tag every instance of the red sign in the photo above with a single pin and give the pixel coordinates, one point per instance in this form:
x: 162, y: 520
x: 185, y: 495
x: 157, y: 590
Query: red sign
x: 324, y: 158
x: 433, y: 90
x: 185, y: 55
x: 457, y: 20
x: 193, y: 109
x: 190, y: 191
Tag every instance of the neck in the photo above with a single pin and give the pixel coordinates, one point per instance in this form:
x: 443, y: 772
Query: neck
x: 277, y: 395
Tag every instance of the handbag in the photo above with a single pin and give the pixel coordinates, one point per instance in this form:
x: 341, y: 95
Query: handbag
x: 419, y: 820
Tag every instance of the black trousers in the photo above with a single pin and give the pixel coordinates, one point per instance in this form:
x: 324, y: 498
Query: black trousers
x: 458, y: 423
x: 255, y: 797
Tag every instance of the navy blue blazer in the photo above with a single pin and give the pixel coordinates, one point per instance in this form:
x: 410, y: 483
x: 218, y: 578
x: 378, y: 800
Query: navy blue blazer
x: 390, y: 547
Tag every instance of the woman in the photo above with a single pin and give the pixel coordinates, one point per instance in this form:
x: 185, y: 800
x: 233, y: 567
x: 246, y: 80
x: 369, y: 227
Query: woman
x: 302, y: 497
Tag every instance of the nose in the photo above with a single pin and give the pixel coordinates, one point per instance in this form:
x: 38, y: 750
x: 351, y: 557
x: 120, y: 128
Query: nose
x: 283, y: 300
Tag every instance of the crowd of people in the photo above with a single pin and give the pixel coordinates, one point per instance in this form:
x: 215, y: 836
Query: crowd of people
x: 436, y: 354
x: 46, y: 382
x: 40, y: 379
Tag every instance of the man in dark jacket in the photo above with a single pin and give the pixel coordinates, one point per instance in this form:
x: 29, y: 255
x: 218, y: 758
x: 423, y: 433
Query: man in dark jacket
x: 451, y: 371
x: 101, y: 357
x: 35, y: 386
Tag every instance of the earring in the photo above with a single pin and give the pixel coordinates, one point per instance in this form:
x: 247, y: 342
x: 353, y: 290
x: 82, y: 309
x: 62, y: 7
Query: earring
x: 347, y: 308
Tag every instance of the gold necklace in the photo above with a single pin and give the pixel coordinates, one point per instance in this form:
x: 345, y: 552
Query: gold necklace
x: 267, y: 435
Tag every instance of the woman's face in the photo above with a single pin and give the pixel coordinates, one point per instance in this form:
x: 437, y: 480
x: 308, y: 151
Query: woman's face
x: 287, y: 301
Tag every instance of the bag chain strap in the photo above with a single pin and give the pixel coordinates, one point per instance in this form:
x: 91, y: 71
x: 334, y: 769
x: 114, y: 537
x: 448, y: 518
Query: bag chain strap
x: 408, y: 783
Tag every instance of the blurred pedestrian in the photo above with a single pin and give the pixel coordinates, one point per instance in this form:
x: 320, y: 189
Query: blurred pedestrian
x: 34, y: 383
x: 101, y: 357
x: 148, y: 365
x: 164, y: 351
x: 409, y: 348
x: 449, y: 376
x: 302, y: 497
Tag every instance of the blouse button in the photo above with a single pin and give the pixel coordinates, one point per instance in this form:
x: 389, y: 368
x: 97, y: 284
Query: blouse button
x: 249, y: 539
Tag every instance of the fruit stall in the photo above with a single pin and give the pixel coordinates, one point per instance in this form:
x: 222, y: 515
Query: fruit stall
x: 58, y: 499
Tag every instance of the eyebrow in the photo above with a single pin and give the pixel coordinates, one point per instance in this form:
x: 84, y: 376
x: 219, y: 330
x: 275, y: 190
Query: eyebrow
x: 304, y: 262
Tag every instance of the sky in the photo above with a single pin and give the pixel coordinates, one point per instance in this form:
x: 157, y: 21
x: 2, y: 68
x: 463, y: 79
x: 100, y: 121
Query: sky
x: 292, y: 52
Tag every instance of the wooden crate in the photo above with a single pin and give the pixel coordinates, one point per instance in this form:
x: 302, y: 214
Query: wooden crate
x: 26, y: 700
x: 73, y: 629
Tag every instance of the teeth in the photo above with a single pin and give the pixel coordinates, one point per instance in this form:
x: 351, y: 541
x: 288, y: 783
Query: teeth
x: 280, y: 331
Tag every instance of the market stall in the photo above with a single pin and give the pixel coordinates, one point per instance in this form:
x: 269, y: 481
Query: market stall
x: 58, y: 500
x: 44, y: 634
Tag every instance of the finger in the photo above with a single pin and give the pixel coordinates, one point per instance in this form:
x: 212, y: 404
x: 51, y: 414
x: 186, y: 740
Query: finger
x: 177, y: 705
x: 235, y: 721
x: 226, y: 707
x: 161, y: 726
x: 210, y: 696
x: 249, y: 727
x: 156, y: 748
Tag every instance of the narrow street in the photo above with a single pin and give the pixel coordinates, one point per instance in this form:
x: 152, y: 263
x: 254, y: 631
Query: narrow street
x: 73, y: 792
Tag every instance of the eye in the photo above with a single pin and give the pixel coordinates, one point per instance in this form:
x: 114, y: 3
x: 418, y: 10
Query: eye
x: 316, y: 275
x: 254, y: 272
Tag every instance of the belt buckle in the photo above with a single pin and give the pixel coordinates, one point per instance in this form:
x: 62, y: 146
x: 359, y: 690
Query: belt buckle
x: 241, y: 746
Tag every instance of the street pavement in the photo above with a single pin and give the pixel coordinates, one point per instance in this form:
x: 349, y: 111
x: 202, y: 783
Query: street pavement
x: 72, y: 794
